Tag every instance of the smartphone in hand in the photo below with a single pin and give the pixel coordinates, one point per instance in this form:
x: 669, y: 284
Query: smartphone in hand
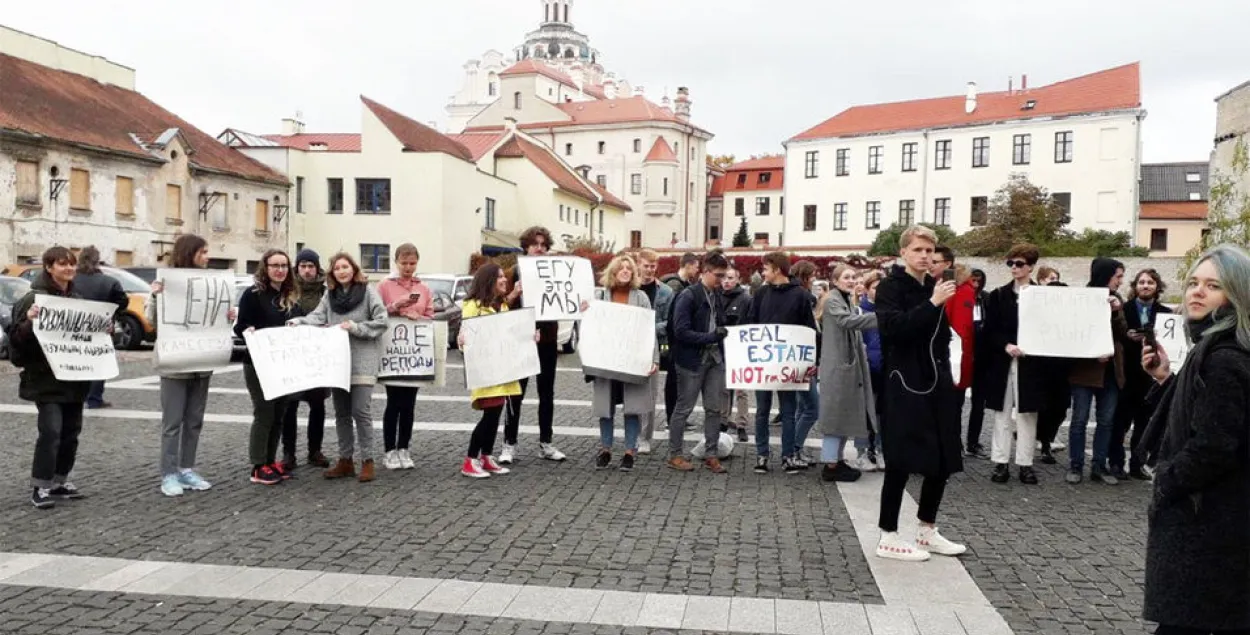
x: 948, y: 275
x: 1149, y: 339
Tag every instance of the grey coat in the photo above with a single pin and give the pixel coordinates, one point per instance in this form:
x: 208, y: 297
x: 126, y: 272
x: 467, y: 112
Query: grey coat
x: 637, y: 398
x: 845, y: 385
x: 368, y: 325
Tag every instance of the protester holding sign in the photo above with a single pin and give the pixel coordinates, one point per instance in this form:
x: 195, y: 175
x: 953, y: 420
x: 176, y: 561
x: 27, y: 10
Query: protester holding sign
x: 351, y: 305
x: 90, y: 283
x: 737, y: 300
x: 536, y: 241
x: 698, y: 328
x: 487, y: 296
x: 271, y: 302
x: 1013, y: 379
x: 1197, y: 555
x: 1098, y: 380
x: 184, y: 395
x: 921, y: 429
x: 310, y: 283
x: 846, y: 398
x: 405, y: 296
x: 59, y: 403
x: 660, y: 296
x: 1131, y: 410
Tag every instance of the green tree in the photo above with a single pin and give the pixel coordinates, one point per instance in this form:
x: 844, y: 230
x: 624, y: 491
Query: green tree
x: 886, y: 243
x: 1019, y: 212
x: 742, y: 238
x: 721, y: 161
x: 1228, y: 208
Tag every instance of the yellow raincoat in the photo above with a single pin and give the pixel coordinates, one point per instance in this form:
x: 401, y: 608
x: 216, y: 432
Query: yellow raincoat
x: 471, y: 309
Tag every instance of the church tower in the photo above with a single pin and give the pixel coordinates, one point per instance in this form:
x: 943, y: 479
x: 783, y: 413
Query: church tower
x: 560, y: 45
x: 556, y: 11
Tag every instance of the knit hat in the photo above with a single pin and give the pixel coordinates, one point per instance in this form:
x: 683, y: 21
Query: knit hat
x: 308, y: 255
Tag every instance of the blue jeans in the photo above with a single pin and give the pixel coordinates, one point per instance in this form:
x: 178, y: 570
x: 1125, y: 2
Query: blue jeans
x: 95, y: 394
x: 633, y: 423
x: 807, y: 411
x: 1082, y: 398
x: 763, y: 410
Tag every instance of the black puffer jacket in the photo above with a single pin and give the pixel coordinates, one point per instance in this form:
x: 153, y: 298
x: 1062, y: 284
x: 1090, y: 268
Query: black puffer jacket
x: 38, y: 383
x: 736, y: 303
x: 787, y: 303
x: 101, y: 287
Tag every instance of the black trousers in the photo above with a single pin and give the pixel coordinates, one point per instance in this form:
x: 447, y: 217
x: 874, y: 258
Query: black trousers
x: 1182, y: 630
x: 548, y: 353
x: 397, y: 419
x: 1130, y: 412
x: 485, y: 432
x: 976, y: 417
x: 316, y: 400
x: 931, y: 492
x: 670, y: 390
x: 56, y: 449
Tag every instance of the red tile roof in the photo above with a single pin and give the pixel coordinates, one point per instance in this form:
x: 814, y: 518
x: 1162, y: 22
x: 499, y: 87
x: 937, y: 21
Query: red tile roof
x: 775, y: 162
x: 416, y: 137
x: 559, y: 172
x: 532, y: 67
x: 661, y: 152
x: 1185, y: 210
x: 478, y: 143
x: 749, y: 173
x: 71, y: 108
x: 1109, y: 90
x: 718, y: 186
x: 604, y: 111
x: 333, y: 141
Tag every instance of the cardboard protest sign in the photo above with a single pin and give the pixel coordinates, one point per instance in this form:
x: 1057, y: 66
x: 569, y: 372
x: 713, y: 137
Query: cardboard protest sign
x: 1072, y: 322
x: 617, y: 342
x: 770, y: 357
x: 499, y: 348
x: 414, y: 353
x: 554, y: 286
x: 74, y: 335
x: 1170, y: 333
x: 291, y: 359
x: 193, y: 330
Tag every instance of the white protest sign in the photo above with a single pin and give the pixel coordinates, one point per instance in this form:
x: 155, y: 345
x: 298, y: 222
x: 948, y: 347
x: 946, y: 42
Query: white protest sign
x: 499, y: 348
x: 414, y: 353
x: 74, y: 336
x: 193, y: 330
x: 770, y: 357
x: 1072, y: 322
x: 291, y: 359
x: 957, y: 357
x: 617, y: 342
x: 555, y: 286
x: 1170, y: 333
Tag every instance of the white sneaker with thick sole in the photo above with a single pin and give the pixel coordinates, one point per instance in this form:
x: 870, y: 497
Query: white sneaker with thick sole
x: 893, y: 547
x: 391, y: 461
x: 644, y: 447
x: 508, y: 455
x: 405, y: 460
x: 932, y: 541
x: 864, y: 465
x: 550, y: 452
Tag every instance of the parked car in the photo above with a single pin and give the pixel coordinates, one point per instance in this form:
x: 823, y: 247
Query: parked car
x: 147, y: 274
x: 447, y: 310
x: 456, y: 286
x: 568, y: 336
x: 12, y: 290
x: 132, y: 329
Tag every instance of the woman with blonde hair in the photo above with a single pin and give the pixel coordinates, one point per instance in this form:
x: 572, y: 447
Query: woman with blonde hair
x: 620, y: 283
x: 351, y: 305
x: 846, y: 396
x: 1197, y: 556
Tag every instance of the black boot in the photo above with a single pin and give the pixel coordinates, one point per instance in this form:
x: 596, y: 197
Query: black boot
x: 1001, y: 474
x: 1027, y: 476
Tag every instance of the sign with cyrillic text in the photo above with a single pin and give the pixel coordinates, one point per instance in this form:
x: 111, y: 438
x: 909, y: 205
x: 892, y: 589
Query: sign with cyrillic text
x: 414, y: 353
x: 291, y: 359
x: 499, y: 348
x: 770, y: 357
x: 75, y: 338
x: 1170, y: 333
x: 193, y: 330
x: 1072, y: 322
x: 617, y: 341
x: 554, y: 286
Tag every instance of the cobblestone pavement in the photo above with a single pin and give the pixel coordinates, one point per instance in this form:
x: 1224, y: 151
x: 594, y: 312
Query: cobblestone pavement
x: 1050, y: 559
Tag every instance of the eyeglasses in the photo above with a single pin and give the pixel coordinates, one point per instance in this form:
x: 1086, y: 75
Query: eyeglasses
x: 278, y: 266
x: 1017, y: 264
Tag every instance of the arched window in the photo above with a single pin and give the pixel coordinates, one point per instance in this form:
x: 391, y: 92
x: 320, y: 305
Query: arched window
x: 492, y: 85
x: 569, y: 53
x: 566, y: 12
x: 516, y: 100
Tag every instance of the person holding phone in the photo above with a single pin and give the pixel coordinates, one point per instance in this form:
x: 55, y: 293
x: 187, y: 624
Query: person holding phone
x: 1131, y: 412
x: 405, y: 296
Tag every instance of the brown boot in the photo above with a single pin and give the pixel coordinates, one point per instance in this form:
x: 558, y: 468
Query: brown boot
x: 342, y: 469
x: 680, y: 464
x: 366, y: 471
x: 318, y: 459
x: 713, y: 464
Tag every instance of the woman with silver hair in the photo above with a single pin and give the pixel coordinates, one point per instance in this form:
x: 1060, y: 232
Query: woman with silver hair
x: 1197, y: 553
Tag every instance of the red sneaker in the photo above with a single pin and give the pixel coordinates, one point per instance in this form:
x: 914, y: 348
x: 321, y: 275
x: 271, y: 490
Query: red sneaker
x: 264, y: 475
x: 472, y: 468
x: 491, y: 466
x: 282, y: 472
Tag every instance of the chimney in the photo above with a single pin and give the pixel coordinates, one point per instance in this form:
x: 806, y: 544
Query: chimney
x: 640, y: 91
x: 609, y: 88
x: 970, y: 104
x: 1024, y: 83
x: 1010, y: 84
x: 509, y: 123
x: 682, y: 109
x: 291, y: 125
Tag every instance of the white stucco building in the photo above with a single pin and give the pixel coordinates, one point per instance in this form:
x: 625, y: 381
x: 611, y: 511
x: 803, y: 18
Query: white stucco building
x: 556, y: 89
x: 940, y: 160
x: 755, y: 190
x: 86, y: 160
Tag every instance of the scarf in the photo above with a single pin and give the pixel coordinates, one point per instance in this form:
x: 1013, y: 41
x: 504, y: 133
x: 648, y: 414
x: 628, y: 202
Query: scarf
x: 344, y: 300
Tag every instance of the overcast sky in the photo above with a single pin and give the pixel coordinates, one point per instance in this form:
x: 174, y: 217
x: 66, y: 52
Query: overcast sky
x: 758, y: 72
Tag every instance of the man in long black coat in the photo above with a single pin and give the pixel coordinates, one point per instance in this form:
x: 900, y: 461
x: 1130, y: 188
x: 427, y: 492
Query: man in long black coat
x: 921, y: 421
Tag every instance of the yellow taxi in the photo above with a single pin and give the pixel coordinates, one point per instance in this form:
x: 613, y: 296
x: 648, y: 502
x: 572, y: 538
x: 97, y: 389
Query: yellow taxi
x: 132, y: 327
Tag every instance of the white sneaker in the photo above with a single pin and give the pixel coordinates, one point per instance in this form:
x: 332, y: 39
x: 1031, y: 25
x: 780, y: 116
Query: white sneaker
x: 550, y: 452
x: 391, y: 462
x: 892, y: 546
x: 644, y: 447
x: 930, y: 540
x: 405, y: 460
x: 508, y: 455
x: 1057, y: 446
x: 864, y: 465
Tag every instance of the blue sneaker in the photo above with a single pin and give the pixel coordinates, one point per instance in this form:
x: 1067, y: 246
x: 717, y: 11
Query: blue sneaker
x: 171, y: 485
x: 193, y: 481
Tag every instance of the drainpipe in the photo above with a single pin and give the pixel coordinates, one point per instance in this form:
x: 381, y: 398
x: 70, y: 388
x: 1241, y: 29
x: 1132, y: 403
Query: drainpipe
x: 924, y: 177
